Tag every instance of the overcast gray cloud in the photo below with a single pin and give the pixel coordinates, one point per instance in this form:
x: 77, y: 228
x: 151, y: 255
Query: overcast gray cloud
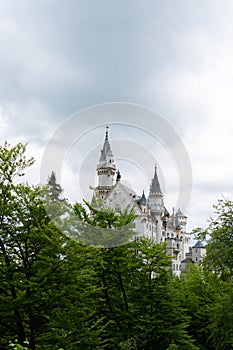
x: 57, y: 57
x: 76, y: 53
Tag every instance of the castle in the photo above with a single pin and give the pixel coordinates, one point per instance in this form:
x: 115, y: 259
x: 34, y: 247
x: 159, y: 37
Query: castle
x: 152, y: 218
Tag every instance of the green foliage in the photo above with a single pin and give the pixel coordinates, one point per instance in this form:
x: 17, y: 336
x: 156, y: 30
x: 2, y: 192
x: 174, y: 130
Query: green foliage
x: 101, y: 226
x: 129, y: 344
x: 15, y: 346
x: 53, y: 189
x: 216, y: 293
x: 30, y: 249
x: 60, y: 294
x: 219, y: 235
x: 221, y: 319
x: 13, y: 162
x: 103, y: 217
x: 173, y: 347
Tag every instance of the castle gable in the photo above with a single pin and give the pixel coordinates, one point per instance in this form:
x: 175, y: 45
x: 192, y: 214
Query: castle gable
x: 121, y: 197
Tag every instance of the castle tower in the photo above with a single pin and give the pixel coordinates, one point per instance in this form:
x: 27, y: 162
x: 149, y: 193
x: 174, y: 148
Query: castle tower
x: 198, y: 252
x: 106, y: 169
x: 181, y: 222
x: 143, y: 203
x: 156, y: 205
x: 155, y: 198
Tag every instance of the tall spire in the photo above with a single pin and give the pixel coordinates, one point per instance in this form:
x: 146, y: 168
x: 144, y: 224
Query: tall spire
x: 155, y: 186
x: 155, y: 198
x: 143, y: 198
x: 106, y: 168
x: 106, y: 155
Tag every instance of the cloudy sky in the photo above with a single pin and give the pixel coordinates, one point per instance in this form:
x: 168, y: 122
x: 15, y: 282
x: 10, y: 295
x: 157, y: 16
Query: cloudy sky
x: 172, y: 57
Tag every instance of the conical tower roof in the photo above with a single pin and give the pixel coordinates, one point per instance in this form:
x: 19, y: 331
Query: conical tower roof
x: 199, y: 244
x: 143, y: 198
x: 155, y: 186
x: 106, y: 155
x: 106, y: 169
x: 106, y: 151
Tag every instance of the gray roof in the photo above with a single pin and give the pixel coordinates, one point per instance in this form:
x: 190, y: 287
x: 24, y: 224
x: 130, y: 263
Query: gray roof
x: 199, y: 244
x: 102, y: 156
x: 186, y: 260
x: 143, y: 198
x: 129, y: 190
x: 166, y: 212
x: 106, y: 151
x: 179, y: 213
x: 155, y: 186
x: 106, y: 155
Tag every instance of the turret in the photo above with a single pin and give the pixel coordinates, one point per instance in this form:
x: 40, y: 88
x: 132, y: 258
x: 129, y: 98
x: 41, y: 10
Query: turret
x: 181, y: 220
x: 155, y: 198
x: 106, y: 169
x: 156, y: 205
x: 143, y: 203
x: 198, y: 252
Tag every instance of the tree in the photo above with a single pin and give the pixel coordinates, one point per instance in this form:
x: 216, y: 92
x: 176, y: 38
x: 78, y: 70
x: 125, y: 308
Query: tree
x: 93, y: 292
x: 48, y: 289
x: 218, y: 273
x: 221, y: 318
x: 101, y: 226
x: 137, y: 300
x: 219, y: 235
x: 30, y: 250
x: 54, y: 189
x: 12, y: 165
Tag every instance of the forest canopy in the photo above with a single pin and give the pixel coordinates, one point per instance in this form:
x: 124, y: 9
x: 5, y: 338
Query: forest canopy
x: 57, y: 293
